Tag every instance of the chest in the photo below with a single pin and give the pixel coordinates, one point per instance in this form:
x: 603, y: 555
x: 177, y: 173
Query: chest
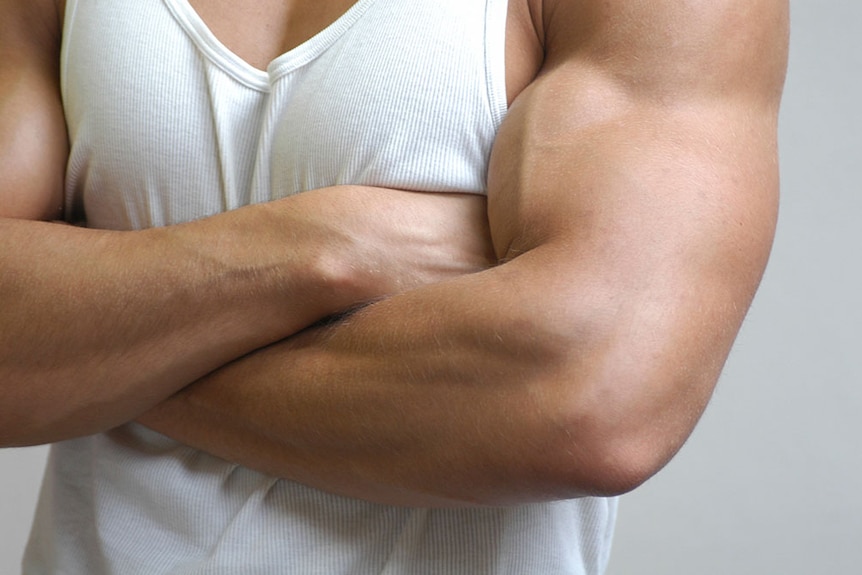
x: 168, y: 122
x: 258, y: 31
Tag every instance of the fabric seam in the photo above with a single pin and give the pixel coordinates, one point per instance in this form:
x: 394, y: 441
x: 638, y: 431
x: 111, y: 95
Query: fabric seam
x: 496, y: 19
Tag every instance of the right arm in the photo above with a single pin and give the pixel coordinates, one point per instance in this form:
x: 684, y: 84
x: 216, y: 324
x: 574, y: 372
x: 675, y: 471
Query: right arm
x: 98, y: 326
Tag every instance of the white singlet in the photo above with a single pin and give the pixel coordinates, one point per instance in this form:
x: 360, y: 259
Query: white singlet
x: 167, y: 125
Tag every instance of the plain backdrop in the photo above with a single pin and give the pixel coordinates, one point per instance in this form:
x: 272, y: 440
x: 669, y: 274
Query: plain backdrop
x: 770, y: 481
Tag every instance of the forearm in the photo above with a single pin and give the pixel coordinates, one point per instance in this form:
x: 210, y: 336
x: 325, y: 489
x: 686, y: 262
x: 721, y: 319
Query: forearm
x: 550, y: 376
x: 100, y: 325
x: 454, y: 394
x: 632, y: 194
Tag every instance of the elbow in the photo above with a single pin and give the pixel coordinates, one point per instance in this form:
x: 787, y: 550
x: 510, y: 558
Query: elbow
x: 11, y: 435
x: 615, y: 468
x: 613, y: 415
x: 14, y: 420
x: 609, y: 439
x: 21, y: 417
x: 27, y: 421
x: 19, y: 429
x: 601, y: 466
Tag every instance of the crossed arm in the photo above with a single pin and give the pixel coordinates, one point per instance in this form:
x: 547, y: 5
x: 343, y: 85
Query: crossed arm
x: 98, y: 326
x: 632, y: 203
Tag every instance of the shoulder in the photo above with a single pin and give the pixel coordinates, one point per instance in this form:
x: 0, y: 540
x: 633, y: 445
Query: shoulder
x: 586, y: 20
x: 653, y: 47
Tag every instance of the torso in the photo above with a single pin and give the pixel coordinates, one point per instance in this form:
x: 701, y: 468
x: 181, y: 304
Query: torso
x: 170, y: 126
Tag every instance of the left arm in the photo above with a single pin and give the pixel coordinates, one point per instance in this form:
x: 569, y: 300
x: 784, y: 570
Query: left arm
x: 632, y: 201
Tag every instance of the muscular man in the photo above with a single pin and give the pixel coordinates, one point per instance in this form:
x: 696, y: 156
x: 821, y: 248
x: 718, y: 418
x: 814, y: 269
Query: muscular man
x: 487, y: 377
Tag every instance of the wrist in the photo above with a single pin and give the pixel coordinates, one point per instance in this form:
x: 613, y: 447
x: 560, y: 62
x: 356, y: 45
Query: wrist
x: 268, y: 269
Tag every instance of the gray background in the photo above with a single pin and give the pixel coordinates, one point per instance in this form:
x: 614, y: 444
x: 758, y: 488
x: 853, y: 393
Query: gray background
x: 770, y: 481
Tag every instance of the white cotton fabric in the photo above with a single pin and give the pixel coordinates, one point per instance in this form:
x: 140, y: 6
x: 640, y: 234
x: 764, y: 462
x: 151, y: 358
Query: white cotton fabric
x: 167, y: 125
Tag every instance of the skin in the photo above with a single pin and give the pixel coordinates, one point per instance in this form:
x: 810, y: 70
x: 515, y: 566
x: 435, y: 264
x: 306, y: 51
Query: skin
x: 632, y: 203
x: 99, y: 326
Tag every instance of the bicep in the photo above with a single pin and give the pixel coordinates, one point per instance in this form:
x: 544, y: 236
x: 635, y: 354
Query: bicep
x: 33, y: 141
x: 659, y: 221
x: 644, y: 164
x: 641, y: 189
x: 643, y: 203
x: 638, y: 100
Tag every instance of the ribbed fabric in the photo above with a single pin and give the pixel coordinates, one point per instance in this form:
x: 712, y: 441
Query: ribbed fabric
x: 396, y: 94
x: 166, y: 126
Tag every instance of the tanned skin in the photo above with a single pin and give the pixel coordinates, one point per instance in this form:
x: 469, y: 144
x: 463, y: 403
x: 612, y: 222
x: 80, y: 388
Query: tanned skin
x: 632, y: 202
x: 99, y: 326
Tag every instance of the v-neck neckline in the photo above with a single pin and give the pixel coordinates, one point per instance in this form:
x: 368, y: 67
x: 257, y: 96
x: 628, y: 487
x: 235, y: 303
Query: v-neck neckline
x: 243, y: 71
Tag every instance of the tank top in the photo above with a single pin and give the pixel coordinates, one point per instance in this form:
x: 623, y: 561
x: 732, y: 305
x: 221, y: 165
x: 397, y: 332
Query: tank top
x: 167, y: 125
